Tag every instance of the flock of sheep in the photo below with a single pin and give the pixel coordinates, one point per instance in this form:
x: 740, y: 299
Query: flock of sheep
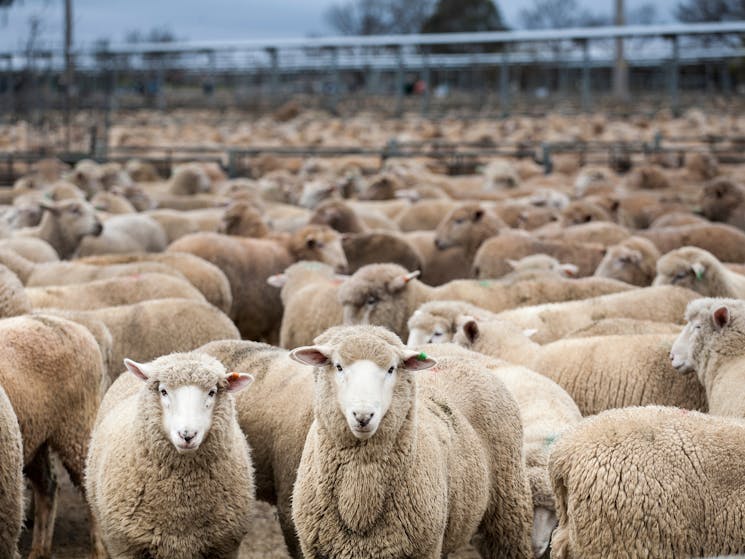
x: 399, y: 360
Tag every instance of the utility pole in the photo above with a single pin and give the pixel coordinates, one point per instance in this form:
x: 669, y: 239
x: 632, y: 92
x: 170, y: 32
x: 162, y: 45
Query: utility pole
x: 620, y: 69
x: 69, y: 72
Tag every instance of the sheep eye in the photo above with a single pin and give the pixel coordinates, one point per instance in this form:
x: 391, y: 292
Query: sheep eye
x: 372, y: 300
x: 339, y: 368
x: 310, y: 243
x: 390, y: 371
x: 679, y: 276
x: 459, y: 221
x: 163, y: 392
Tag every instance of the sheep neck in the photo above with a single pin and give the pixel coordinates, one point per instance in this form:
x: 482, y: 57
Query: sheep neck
x: 486, y: 230
x: 516, y: 348
x: 360, y: 476
x: 723, y: 380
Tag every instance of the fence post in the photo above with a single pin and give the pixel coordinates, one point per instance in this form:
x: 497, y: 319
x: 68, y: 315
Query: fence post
x: 586, y: 77
x: 673, y: 84
x: 273, y: 76
x: 548, y: 165
x: 399, y: 80
x: 426, y: 78
x: 504, y: 83
x: 335, y: 79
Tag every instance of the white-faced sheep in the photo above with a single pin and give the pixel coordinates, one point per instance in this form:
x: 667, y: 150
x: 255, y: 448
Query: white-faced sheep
x: 699, y: 271
x: 599, y: 373
x: 64, y: 225
x: 248, y: 263
x: 52, y: 372
x: 386, y: 294
x: 379, y: 475
x: 556, y: 320
x: 632, y: 261
x: 11, y: 479
x: 538, y: 266
x: 467, y: 226
x: 169, y: 471
x: 712, y: 344
x: 649, y: 482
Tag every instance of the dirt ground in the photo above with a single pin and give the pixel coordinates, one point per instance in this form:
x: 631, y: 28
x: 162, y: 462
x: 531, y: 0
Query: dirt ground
x: 264, y: 541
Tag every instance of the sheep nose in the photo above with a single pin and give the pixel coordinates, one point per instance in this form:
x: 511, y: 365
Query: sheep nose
x: 439, y: 244
x: 363, y: 417
x: 97, y: 229
x: 187, y: 435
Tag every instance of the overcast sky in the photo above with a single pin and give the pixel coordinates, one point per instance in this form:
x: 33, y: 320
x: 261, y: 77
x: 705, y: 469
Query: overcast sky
x: 213, y: 19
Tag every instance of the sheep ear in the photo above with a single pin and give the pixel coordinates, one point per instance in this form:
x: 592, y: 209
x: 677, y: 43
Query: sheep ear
x: 277, y: 280
x: 569, y: 270
x: 137, y: 369
x: 51, y: 208
x: 417, y: 361
x: 399, y: 282
x: 315, y: 356
x: 471, y: 330
x: 239, y: 381
x: 512, y: 263
x: 698, y: 270
x: 721, y: 317
x: 530, y: 332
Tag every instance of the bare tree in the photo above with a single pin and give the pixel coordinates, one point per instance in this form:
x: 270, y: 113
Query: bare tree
x: 378, y: 17
x: 559, y: 14
x: 692, y: 11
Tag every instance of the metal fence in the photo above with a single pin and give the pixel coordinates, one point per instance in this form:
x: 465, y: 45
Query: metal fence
x: 493, y: 74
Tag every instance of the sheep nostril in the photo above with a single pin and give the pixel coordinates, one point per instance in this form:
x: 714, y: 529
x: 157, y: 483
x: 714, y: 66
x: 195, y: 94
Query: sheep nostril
x: 188, y: 436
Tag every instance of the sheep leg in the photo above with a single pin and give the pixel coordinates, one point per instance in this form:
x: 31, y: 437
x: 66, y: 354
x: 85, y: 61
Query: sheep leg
x: 288, y: 529
x: 98, y: 550
x: 43, y: 478
x: 505, y: 528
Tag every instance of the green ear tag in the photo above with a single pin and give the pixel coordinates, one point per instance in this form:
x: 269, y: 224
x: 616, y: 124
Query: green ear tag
x: 422, y: 356
x: 699, y: 274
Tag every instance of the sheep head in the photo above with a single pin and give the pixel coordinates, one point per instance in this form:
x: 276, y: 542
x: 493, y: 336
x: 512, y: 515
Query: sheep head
x: 243, y: 220
x: 362, y: 370
x: 467, y: 226
x: 187, y: 391
x: 375, y: 295
x: 719, y: 198
x: 714, y: 331
x: 321, y: 244
x: 692, y: 268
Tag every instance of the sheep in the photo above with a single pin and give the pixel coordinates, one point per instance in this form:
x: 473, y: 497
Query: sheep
x: 599, y: 373
x: 632, y: 261
x: 64, y: 226
x: 141, y: 171
x: 203, y: 275
x: 723, y: 200
x: 178, y: 223
x: 52, y: 372
x: 491, y: 259
x: 555, y: 320
x: 583, y: 211
x: 377, y: 247
x: 338, y: 215
x: 309, y: 298
x: 11, y: 479
x: 675, y: 219
x: 438, y: 266
x: 648, y: 177
x: 126, y: 233
x: 699, y: 271
x: 499, y: 174
x: 111, y: 292
x: 723, y: 241
x: 188, y: 179
x: 649, y: 482
x: 31, y: 248
x: 424, y: 215
x: 711, y: 345
x: 247, y: 263
x: 538, y: 266
x: 437, y: 322
x: 14, y: 300
x: 368, y: 406
x: 624, y: 327
x: 546, y: 411
x: 386, y: 294
x: 112, y: 203
x: 243, y: 220
x: 149, y: 329
x: 169, y: 473
x: 467, y: 226
x: 277, y: 439
x: 701, y: 166
x: 599, y: 232
x: 65, y: 273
